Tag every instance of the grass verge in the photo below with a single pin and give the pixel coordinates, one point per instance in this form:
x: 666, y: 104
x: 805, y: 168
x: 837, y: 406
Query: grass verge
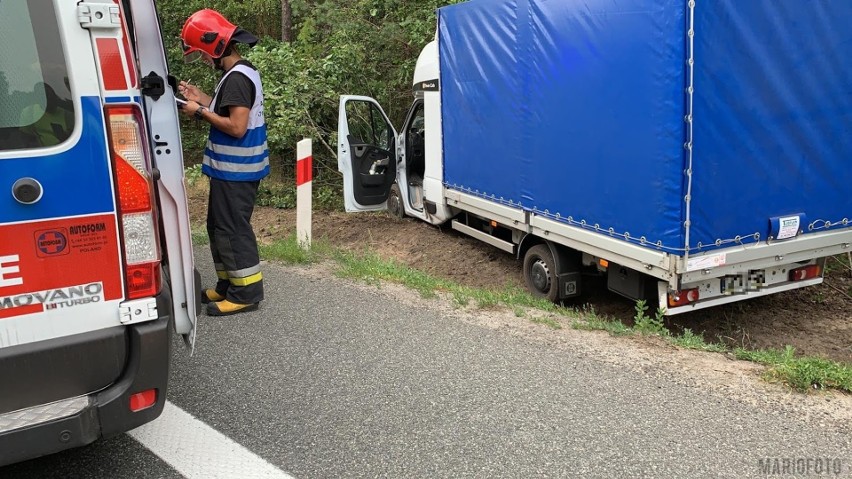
x: 290, y: 251
x: 690, y: 340
x: 802, y: 373
x: 199, y: 236
x: 372, y: 269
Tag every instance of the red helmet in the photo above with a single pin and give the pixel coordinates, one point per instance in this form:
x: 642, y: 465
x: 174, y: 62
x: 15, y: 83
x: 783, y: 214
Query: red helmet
x: 206, y: 31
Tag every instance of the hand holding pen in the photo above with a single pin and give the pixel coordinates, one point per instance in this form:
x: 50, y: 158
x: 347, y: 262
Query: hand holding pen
x: 192, y: 93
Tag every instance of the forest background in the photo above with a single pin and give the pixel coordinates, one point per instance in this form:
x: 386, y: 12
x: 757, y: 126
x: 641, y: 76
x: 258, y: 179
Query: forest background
x: 310, y: 53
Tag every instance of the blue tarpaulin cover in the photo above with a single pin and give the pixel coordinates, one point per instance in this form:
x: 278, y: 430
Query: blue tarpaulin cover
x: 577, y: 109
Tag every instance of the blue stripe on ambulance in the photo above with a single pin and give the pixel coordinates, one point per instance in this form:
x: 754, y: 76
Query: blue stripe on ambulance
x: 117, y: 99
x: 75, y: 182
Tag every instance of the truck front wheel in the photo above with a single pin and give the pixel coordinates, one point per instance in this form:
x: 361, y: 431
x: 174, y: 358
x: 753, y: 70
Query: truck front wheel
x: 540, y: 272
x: 395, y: 206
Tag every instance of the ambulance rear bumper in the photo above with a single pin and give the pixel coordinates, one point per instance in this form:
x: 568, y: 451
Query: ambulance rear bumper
x: 37, y: 431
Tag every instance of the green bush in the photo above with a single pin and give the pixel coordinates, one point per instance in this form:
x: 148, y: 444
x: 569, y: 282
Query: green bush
x: 649, y: 325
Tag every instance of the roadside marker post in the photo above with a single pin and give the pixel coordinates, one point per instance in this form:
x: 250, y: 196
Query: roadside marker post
x: 304, y: 191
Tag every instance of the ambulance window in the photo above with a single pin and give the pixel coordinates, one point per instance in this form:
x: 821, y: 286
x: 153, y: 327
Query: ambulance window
x: 35, y: 98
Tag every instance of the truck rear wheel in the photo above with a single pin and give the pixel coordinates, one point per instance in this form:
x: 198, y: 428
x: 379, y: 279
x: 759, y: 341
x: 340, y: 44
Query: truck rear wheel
x: 395, y: 206
x: 540, y: 272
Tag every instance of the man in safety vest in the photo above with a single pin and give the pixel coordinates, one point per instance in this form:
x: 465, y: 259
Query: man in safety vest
x: 236, y: 157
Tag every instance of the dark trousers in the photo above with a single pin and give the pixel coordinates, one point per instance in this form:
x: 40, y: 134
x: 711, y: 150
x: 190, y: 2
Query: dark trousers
x: 232, y: 240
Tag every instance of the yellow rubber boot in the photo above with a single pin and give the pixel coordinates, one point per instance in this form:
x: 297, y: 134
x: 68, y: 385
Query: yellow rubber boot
x: 227, y: 308
x: 210, y: 295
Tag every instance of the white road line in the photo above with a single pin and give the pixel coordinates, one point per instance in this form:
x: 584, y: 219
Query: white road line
x: 198, y: 451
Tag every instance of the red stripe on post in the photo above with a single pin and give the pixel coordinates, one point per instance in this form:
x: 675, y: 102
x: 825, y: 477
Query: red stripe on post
x: 112, y: 66
x: 304, y: 170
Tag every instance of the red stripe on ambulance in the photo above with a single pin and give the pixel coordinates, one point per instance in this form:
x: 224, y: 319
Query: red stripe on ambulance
x: 20, y: 310
x: 45, y: 260
x: 112, y: 64
x: 126, y: 43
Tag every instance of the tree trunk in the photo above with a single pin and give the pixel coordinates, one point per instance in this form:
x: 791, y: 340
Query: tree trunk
x: 286, y: 22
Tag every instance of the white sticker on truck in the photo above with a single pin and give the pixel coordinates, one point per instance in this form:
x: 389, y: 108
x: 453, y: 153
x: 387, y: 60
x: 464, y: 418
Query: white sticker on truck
x: 789, y: 227
x: 707, y: 261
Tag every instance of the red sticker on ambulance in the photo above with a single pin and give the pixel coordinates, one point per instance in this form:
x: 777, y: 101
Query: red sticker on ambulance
x: 58, y: 264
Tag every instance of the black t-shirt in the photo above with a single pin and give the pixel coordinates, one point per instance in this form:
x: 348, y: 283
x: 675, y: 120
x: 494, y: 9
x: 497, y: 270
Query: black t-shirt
x: 236, y: 90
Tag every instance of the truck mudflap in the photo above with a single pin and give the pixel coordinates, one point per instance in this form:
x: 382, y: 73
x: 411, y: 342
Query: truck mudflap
x: 100, y: 414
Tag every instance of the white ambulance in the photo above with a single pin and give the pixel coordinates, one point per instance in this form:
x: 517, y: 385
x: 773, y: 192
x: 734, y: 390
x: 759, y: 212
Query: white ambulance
x: 96, y: 265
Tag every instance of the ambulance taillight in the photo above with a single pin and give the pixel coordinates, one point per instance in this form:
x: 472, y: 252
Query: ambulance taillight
x: 136, y: 206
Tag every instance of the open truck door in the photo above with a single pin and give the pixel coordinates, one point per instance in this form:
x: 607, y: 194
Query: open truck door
x: 366, y: 153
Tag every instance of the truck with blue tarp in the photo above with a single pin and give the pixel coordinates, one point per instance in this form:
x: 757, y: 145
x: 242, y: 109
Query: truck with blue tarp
x: 694, y: 152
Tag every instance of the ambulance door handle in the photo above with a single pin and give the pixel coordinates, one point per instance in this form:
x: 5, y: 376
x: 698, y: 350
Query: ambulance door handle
x: 27, y: 191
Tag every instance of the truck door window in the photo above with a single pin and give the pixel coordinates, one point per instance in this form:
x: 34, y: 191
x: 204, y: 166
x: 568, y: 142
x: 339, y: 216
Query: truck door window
x: 368, y: 125
x: 415, y: 142
x: 35, y: 98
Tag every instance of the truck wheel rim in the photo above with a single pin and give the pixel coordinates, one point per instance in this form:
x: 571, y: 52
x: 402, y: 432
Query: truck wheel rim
x: 540, y: 275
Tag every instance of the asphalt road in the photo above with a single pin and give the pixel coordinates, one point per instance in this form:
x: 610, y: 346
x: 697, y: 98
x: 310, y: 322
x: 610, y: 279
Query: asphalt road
x: 330, y: 379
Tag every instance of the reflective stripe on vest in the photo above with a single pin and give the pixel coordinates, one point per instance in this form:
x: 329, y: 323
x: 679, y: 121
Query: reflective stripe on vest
x: 239, y: 159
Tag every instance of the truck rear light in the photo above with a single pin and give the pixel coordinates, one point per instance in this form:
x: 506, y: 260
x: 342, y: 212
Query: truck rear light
x: 135, y: 191
x: 680, y: 298
x: 143, y: 400
x: 805, y: 272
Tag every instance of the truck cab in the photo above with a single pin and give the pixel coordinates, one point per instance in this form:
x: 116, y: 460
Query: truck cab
x: 96, y: 264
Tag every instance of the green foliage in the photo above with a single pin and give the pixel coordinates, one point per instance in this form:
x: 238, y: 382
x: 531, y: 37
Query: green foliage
x: 838, y: 264
x: 690, y: 340
x: 549, y: 322
x: 372, y: 269
x: 290, y: 251
x: 192, y: 174
x: 460, y: 299
x: 327, y: 197
x: 276, y: 195
x: 365, y: 47
x: 589, y: 320
x: 802, y: 373
x: 649, y: 325
x: 283, y: 195
x: 199, y: 236
x: 595, y: 323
